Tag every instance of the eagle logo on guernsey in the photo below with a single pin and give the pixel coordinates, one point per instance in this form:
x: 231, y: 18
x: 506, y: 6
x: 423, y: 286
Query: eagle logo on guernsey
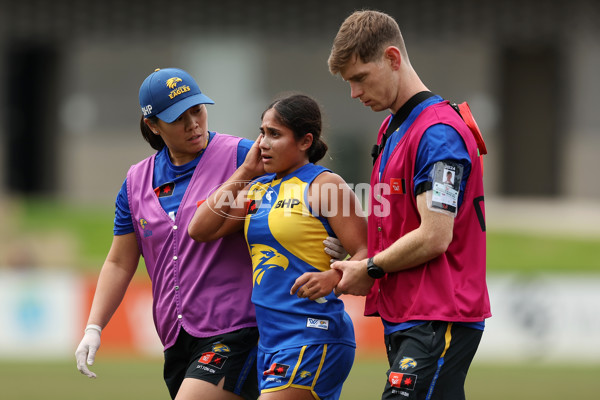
x: 263, y: 258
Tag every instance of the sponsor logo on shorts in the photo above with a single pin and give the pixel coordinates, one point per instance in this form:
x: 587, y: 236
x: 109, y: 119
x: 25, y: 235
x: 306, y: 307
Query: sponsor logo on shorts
x: 213, y: 359
x: 277, y: 370
x: 221, y: 348
x: 317, y: 323
x: 407, y: 363
x: 402, y: 381
x: 305, y: 374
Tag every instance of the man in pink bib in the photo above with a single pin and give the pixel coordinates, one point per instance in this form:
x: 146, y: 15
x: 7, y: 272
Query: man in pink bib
x: 426, y: 272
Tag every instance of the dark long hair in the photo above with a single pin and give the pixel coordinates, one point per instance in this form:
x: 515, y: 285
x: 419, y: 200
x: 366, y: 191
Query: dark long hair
x: 156, y: 141
x: 302, y: 115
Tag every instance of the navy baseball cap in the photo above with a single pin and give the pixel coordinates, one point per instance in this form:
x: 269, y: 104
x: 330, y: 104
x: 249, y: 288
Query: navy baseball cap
x: 167, y: 93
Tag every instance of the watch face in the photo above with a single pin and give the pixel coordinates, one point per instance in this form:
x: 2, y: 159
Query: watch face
x: 373, y: 270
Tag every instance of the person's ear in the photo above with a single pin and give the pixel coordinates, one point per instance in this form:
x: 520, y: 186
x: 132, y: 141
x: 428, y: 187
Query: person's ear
x: 151, y: 125
x: 306, y: 142
x: 392, y: 55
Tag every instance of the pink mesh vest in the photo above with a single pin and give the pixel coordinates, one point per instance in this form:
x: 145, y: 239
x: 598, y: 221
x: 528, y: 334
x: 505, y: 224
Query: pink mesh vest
x: 451, y: 287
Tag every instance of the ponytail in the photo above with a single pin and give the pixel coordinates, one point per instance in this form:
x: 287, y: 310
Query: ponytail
x: 317, y: 150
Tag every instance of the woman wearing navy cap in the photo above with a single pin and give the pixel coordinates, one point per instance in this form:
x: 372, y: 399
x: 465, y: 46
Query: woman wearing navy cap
x: 201, y: 291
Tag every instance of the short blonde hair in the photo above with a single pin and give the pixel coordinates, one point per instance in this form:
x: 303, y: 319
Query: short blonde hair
x: 366, y: 34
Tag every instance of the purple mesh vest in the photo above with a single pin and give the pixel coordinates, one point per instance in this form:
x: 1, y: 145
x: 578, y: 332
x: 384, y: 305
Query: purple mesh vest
x: 203, y: 287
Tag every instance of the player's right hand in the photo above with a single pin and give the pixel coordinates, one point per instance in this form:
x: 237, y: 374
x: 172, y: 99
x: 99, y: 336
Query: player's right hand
x: 86, y: 351
x: 253, y: 162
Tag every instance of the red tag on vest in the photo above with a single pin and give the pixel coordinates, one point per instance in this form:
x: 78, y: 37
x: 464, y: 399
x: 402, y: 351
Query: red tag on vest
x: 397, y: 186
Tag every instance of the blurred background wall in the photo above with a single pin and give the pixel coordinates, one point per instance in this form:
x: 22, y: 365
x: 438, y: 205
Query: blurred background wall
x: 70, y: 72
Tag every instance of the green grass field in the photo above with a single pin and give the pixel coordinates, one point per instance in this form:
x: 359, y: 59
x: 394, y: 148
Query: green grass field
x: 142, y: 379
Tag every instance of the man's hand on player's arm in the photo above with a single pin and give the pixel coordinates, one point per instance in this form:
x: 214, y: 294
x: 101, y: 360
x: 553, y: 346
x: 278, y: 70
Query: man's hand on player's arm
x: 355, y: 280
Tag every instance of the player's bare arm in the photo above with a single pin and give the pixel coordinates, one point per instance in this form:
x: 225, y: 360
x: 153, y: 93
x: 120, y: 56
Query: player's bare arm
x: 345, y: 216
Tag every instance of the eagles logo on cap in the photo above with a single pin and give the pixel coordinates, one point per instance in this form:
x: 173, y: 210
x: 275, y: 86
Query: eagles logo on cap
x: 167, y: 93
x: 172, y: 82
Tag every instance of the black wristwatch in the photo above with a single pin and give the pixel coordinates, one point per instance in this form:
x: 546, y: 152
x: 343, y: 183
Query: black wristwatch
x: 373, y: 270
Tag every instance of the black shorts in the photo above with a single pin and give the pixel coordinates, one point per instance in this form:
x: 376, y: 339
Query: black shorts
x: 430, y: 361
x: 231, y: 356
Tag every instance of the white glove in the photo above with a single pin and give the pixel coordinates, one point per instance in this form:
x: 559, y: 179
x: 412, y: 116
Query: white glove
x: 334, y: 248
x: 86, y: 351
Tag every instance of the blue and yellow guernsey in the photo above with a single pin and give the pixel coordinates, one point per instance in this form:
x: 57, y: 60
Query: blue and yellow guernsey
x: 285, y: 240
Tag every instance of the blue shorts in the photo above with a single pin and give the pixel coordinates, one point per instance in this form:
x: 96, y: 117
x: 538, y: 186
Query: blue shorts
x: 321, y: 368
